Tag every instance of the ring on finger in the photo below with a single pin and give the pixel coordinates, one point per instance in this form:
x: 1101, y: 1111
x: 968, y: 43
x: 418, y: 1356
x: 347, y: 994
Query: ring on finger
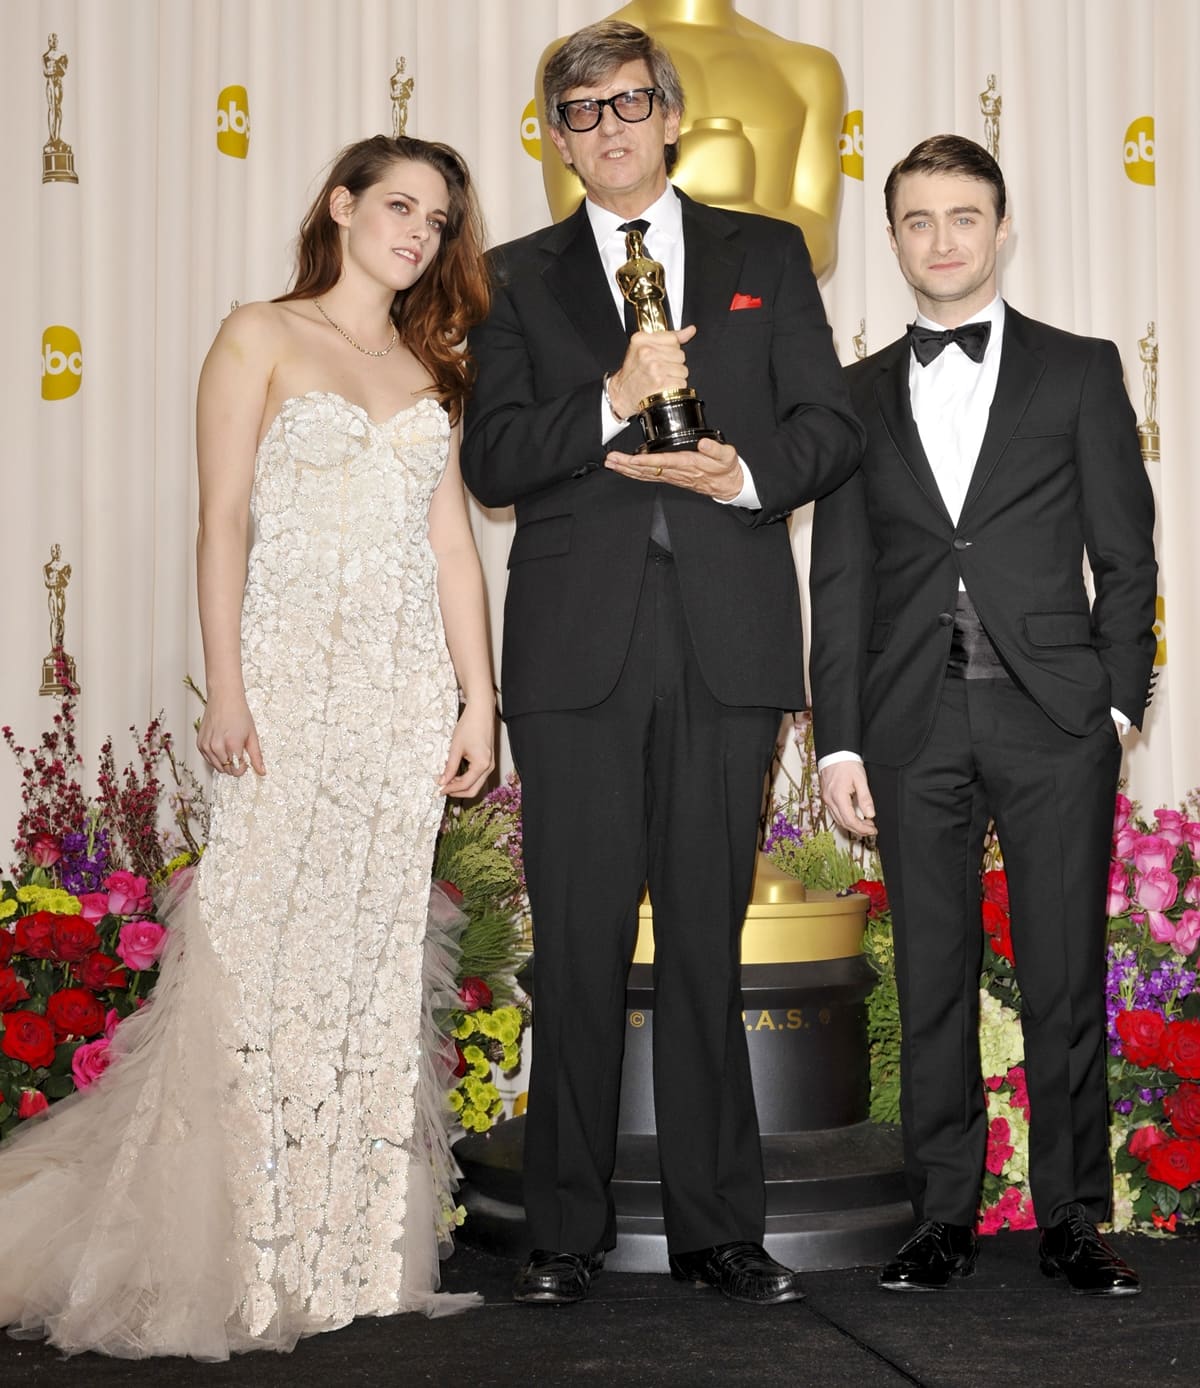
x: 658, y: 470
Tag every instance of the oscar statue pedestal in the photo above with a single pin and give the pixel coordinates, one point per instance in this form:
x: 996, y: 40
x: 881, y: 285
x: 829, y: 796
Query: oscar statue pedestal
x: 835, y: 1191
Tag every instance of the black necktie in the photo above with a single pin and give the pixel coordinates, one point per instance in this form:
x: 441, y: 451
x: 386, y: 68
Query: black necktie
x: 642, y: 225
x: 928, y: 343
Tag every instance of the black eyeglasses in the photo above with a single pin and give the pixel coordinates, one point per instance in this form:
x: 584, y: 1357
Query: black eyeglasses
x: 632, y: 107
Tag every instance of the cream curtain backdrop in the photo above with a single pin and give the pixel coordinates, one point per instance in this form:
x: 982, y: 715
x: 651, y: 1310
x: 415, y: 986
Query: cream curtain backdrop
x: 143, y: 255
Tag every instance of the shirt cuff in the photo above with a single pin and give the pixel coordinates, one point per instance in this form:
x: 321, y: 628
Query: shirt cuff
x: 748, y: 496
x: 610, y: 425
x: 1123, y: 723
x: 833, y: 758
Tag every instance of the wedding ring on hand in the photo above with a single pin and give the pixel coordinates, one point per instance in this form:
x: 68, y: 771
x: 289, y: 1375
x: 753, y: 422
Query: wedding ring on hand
x: 658, y: 470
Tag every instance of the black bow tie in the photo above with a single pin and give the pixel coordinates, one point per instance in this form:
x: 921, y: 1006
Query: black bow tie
x: 928, y: 343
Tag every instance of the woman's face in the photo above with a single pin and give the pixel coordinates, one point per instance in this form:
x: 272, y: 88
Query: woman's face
x: 394, y: 229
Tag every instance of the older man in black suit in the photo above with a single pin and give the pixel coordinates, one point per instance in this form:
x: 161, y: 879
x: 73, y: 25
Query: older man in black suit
x: 652, y: 639
x: 956, y: 654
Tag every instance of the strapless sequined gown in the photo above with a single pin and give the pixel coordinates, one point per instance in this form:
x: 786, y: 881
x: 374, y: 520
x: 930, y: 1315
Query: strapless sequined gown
x: 267, y: 1156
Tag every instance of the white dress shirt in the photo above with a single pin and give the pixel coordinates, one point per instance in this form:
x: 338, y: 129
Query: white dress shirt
x: 663, y: 242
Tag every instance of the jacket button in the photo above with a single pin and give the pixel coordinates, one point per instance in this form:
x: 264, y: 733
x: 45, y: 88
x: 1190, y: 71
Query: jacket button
x: 960, y: 543
x: 945, y: 619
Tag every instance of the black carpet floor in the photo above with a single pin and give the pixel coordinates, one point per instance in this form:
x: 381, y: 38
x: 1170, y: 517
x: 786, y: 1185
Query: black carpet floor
x: 1008, y: 1325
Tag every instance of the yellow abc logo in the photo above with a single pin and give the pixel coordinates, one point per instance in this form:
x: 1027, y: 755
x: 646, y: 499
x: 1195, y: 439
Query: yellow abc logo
x: 1139, y: 150
x: 1160, y: 630
x: 531, y: 131
x: 62, y: 362
x: 233, y: 122
x: 850, y: 144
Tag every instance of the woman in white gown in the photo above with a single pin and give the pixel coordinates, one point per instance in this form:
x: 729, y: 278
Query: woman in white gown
x: 267, y: 1155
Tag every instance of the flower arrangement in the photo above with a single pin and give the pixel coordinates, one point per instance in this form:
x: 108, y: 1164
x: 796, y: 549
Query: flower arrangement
x: 478, y: 862
x: 79, y: 944
x: 1152, y: 999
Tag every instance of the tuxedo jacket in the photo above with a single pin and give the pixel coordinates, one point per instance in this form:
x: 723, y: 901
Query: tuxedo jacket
x: 763, y: 362
x: 1059, y: 474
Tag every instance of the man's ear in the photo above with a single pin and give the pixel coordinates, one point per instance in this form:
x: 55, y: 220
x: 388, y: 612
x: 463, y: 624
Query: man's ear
x: 560, y: 144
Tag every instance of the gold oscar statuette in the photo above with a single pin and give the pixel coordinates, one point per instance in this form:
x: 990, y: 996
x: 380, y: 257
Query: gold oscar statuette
x: 402, y: 90
x: 1148, y: 428
x: 860, y: 341
x: 670, y: 419
x: 989, y: 103
x: 58, y: 158
x: 58, y: 668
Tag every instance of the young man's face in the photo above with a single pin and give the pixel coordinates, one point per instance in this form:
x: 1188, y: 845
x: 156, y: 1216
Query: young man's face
x: 622, y: 165
x: 945, y: 235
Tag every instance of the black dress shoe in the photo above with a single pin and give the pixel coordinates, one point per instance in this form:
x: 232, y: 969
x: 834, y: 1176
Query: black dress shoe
x: 556, y: 1279
x: 1074, y: 1250
x: 935, y: 1253
x: 740, y: 1271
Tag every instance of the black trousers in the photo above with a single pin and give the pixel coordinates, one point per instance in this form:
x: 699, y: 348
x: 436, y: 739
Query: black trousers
x: 994, y: 753
x: 662, y: 784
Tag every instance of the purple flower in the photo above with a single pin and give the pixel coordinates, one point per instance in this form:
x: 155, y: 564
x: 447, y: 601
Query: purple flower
x: 782, y: 830
x: 79, y: 870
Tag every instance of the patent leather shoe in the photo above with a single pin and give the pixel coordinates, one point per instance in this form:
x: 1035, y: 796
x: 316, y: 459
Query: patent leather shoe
x: 1074, y: 1249
x: 742, y: 1271
x: 934, y: 1254
x: 555, y: 1279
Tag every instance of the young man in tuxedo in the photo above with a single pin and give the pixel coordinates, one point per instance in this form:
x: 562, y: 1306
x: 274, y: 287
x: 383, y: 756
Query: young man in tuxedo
x: 959, y: 674
x: 651, y: 640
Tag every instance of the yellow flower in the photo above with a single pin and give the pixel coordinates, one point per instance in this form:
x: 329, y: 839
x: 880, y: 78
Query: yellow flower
x: 464, y: 1029
x: 8, y: 907
x: 54, y: 899
x: 456, y: 1101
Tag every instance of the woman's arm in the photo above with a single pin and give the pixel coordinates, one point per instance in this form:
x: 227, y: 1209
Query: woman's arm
x: 229, y: 410
x: 464, y: 616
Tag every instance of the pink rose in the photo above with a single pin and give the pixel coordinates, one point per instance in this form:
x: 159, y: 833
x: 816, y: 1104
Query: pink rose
x: 45, y: 850
x: 31, y: 1103
x: 127, y: 895
x: 1152, y: 851
x: 1191, y: 836
x: 1156, y: 889
x: 1118, y: 886
x: 1169, y: 826
x: 1187, y: 932
x: 1142, y: 1141
x: 111, y: 1022
x: 991, y: 1221
x: 1191, y: 893
x: 999, y: 1148
x: 1020, y: 1090
x: 1123, y: 842
x: 1122, y: 810
x: 1161, y: 928
x: 140, y: 943
x: 89, y: 1062
x: 93, y: 906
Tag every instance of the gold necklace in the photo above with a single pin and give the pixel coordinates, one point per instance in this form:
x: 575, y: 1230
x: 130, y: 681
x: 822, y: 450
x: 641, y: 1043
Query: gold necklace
x: 366, y: 351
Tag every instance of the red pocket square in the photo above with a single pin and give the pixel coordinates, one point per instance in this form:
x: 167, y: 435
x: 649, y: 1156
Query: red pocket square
x: 744, y: 301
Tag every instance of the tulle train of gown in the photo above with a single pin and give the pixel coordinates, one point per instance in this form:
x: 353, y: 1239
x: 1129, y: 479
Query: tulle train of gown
x: 267, y: 1155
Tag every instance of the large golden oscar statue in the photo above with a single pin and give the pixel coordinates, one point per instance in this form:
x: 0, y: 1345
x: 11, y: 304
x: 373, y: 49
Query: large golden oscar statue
x: 761, y: 127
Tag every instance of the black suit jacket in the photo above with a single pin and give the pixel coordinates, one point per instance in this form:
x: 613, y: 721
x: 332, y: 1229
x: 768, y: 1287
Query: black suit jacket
x: 771, y: 382
x: 1059, y: 474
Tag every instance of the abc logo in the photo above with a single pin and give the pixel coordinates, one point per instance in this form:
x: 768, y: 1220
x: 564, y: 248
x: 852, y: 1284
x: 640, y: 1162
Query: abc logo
x: 850, y: 144
x: 233, y: 122
x: 1139, y: 150
x: 531, y: 132
x: 1160, y: 630
x: 62, y: 362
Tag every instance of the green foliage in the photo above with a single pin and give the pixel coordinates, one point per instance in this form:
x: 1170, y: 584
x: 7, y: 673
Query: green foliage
x: 817, y: 861
x: 883, y: 1020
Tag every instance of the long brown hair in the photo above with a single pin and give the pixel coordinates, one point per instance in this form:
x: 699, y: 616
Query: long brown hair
x: 453, y: 294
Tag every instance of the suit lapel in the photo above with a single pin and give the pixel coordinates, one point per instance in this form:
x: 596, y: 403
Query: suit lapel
x: 895, y: 408
x: 575, y: 277
x: 1021, y: 368
x: 712, y: 264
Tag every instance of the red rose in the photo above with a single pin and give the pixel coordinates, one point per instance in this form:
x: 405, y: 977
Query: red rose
x: 35, y: 935
x: 7, y: 945
x: 474, y: 994
x: 1180, y: 1050
x: 450, y: 889
x: 12, y: 990
x: 31, y: 1103
x: 999, y: 929
x: 1183, y: 1109
x: 1141, y: 1032
x: 877, y: 893
x: 29, y: 1038
x: 1143, y: 1141
x: 995, y: 888
x: 460, y: 1065
x: 45, y: 850
x: 99, y: 971
x: 75, y: 1012
x: 74, y: 938
x: 1175, y: 1163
